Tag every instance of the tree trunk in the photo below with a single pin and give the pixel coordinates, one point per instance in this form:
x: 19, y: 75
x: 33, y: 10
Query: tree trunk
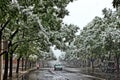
x: 6, y: 67
x: 22, y: 64
x: 30, y: 64
x: 25, y: 64
x: 0, y: 57
x: 11, y: 60
x: 18, y: 61
x: 92, y: 66
x: 117, y: 63
x: 6, y: 55
x: 11, y: 64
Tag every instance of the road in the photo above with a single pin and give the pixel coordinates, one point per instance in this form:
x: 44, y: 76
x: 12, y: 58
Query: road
x: 48, y: 73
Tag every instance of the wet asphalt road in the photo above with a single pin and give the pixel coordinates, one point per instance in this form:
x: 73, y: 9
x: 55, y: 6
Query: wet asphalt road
x: 48, y: 73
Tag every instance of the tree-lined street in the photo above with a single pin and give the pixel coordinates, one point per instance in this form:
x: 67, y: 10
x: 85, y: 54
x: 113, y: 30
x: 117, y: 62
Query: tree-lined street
x: 30, y: 29
x: 68, y: 73
x: 48, y: 73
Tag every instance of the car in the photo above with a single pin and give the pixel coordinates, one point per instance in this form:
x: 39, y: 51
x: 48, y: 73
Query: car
x: 58, y: 67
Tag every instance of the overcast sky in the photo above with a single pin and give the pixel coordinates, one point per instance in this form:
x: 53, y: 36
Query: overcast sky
x: 83, y: 11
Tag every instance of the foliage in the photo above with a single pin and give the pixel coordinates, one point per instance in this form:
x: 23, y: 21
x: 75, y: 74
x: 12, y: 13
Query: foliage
x: 32, y: 23
x: 98, y: 38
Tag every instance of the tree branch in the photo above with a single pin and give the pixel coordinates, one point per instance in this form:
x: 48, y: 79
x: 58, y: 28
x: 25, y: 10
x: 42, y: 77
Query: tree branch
x: 11, y: 37
x: 15, y: 48
x: 25, y: 41
x: 3, y: 53
x: 3, y: 26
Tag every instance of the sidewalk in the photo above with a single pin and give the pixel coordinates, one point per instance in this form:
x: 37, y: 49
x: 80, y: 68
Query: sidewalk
x: 96, y: 73
x: 21, y: 73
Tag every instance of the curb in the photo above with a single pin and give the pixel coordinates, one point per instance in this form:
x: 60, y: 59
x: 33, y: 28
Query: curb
x: 20, y: 74
x: 30, y: 70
